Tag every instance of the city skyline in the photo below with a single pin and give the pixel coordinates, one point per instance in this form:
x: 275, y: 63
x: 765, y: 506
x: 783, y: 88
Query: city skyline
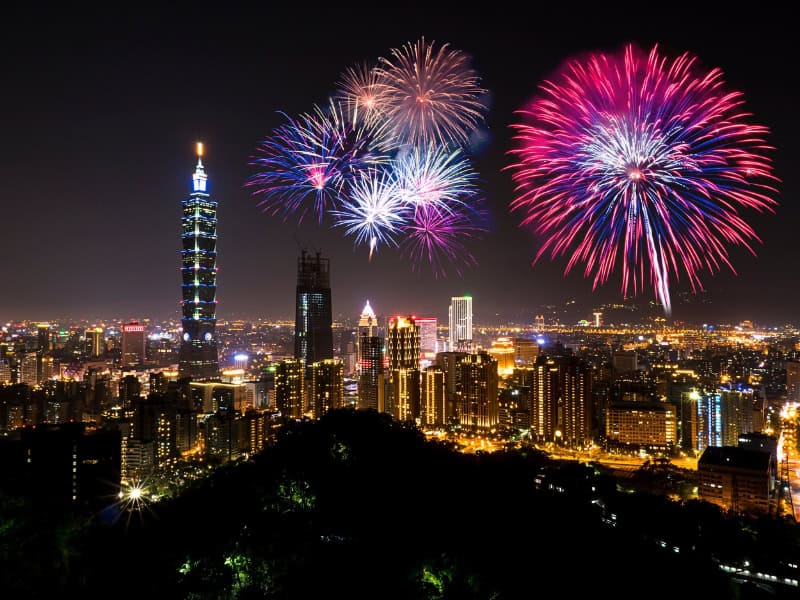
x: 126, y: 125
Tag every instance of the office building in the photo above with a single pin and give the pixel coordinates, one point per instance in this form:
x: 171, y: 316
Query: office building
x: 198, y: 356
x: 504, y: 353
x: 133, y: 344
x: 402, y: 343
x: 737, y: 479
x: 95, y: 342
x: 640, y: 425
x: 313, y: 332
x: 427, y: 337
x: 460, y: 323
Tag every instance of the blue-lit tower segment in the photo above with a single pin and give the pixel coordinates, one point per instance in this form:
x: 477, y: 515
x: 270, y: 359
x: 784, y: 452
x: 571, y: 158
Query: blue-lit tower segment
x: 198, y: 357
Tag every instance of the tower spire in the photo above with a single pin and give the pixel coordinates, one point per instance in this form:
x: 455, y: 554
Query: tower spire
x: 199, y: 179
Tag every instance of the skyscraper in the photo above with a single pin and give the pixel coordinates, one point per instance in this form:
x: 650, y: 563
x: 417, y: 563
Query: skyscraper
x: 460, y: 325
x: 327, y: 386
x: 427, y: 337
x: 43, y: 337
x: 95, y: 342
x: 403, y: 343
x: 434, y: 406
x: 132, y: 344
x: 403, y: 390
x: 370, y: 361
x: 477, y: 394
x: 198, y: 356
x: 560, y: 400
x: 289, y: 388
x: 313, y: 333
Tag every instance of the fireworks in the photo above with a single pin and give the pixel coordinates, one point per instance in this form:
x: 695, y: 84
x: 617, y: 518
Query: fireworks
x: 436, y: 236
x: 644, y: 158
x: 374, y: 212
x: 311, y: 157
x: 432, y: 96
x: 361, y: 90
x: 435, y: 176
x: 386, y: 167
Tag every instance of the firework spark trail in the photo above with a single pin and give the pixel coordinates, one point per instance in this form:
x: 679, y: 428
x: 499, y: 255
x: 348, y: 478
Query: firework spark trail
x: 432, y: 96
x: 645, y: 158
x: 384, y: 157
x: 374, y: 213
x: 436, y: 236
x: 435, y: 176
x: 310, y: 158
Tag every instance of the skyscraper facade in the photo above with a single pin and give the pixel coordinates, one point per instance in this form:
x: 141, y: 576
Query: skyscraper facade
x: 403, y: 343
x: 327, y: 386
x: 290, y: 387
x: 477, y: 393
x: 434, y: 406
x: 370, y: 362
x: 402, y: 346
x: 427, y: 337
x: 198, y: 356
x: 313, y: 333
x: 561, y: 400
x: 460, y: 322
x: 132, y: 344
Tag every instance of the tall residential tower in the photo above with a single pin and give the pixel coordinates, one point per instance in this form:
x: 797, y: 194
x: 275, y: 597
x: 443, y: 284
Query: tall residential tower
x: 198, y: 357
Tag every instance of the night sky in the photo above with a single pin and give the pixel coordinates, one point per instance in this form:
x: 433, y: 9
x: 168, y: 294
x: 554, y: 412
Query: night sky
x: 100, y: 113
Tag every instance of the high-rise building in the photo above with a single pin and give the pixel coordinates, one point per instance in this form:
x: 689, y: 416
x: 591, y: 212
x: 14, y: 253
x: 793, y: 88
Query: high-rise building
x: 636, y: 425
x: 327, y: 386
x: 434, y: 405
x: 198, y: 355
x: 560, y: 408
x: 503, y: 351
x: 525, y: 351
x: 460, y: 322
x: 29, y: 368
x: 793, y: 380
x: 132, y: 344
x: 289, y: 387
x: 370, y: 362
x: 737, y: 414
x: 95, y: 342
x: 477, y: 393
x: 43, y: 337
x: 403, y: 343
x: 313, y: 327
x: 427, y: 336
x: 448, y: 362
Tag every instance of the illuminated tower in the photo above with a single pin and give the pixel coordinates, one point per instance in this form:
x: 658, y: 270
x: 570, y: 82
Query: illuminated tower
x: 313, y: 333
x: 460, y: 314
x: 402, y: 342
x: 198, y: 357
x: 370, y: 362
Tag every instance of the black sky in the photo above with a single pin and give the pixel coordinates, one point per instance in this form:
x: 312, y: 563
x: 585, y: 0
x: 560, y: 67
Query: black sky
x: 100, y: 112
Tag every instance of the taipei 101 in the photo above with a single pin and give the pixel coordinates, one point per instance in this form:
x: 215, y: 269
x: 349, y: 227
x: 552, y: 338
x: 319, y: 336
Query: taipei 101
x: 399, y: 301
